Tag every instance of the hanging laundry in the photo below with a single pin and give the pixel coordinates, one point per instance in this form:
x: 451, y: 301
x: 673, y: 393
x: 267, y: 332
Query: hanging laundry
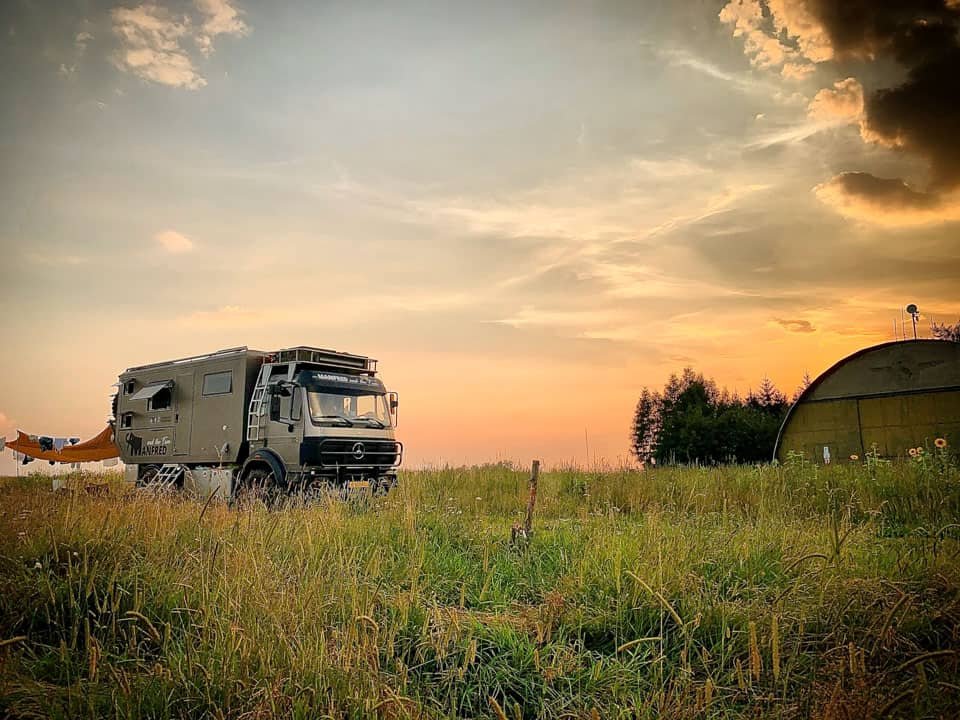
x: 58, y: 443
x: 3, y: 443
x: 100, y: 447
x: 74, y: 441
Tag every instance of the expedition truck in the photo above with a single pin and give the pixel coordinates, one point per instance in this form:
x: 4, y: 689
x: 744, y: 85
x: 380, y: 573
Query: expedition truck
x: 239, y: 420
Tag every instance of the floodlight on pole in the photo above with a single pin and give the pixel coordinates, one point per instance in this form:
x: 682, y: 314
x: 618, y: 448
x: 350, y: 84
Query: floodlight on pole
x: 914, y: 313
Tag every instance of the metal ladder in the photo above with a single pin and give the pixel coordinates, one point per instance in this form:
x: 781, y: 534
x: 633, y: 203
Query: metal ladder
x: 253, y: 414
x: 167, y: 476
x: 256, y: 406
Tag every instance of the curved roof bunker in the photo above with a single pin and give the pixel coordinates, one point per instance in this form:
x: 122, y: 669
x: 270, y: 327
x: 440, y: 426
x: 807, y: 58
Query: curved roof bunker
x: 892, y: 396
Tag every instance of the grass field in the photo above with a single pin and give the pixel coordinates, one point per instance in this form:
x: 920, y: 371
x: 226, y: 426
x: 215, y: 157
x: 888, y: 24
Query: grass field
x: 725, y: 592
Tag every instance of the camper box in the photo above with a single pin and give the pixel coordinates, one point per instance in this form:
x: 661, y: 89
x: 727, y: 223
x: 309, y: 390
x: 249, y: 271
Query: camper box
x: 191, y: 410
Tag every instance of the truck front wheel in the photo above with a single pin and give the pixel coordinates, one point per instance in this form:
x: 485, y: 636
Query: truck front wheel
x: 258, y: 484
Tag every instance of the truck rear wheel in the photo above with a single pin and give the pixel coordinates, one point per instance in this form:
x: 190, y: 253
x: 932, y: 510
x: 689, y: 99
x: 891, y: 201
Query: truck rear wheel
x: 147, y: 475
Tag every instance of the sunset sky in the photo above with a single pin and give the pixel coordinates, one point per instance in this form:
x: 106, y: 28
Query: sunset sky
x: 525, y: 210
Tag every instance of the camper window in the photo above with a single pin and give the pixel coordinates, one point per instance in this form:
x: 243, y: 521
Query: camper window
x: 161, y: 400
x: 219, y: 383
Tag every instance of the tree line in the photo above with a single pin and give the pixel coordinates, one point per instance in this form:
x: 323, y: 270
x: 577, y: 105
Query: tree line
x: 693, y: 421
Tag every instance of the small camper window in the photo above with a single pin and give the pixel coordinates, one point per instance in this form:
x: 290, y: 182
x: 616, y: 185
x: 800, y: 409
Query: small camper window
x: 157, y: 395
x: 162, y: 400
x: 219, y: 383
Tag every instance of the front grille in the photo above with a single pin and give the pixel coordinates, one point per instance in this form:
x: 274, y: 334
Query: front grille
x: 353, y: 453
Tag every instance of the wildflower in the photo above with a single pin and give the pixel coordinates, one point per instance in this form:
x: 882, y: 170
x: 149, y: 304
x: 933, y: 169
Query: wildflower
x: 854, y: 457
x: 919, y: 451
x: 940, y: 443
x: 478, y: 498
x: 38, y: 565
x: 912, y: 452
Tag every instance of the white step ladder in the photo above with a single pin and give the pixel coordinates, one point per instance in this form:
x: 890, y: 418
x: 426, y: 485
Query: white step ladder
x: 166, y: 476
x: 253, y: 414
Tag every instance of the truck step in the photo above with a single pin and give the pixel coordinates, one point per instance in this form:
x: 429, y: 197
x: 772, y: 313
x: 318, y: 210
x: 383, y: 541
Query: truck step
x: 166, y: 477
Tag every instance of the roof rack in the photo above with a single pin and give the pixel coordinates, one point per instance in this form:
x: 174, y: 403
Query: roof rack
x: 192, y: 358
x: 326, y: 358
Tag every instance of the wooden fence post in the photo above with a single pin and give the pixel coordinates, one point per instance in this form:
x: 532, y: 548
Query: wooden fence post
x: 524, y: 532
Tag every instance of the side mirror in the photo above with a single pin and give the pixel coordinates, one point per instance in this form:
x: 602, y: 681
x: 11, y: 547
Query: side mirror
x: 394, y: 404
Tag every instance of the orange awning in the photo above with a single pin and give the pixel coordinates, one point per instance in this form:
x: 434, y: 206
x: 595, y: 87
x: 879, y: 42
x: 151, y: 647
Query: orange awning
x: 101, y: 447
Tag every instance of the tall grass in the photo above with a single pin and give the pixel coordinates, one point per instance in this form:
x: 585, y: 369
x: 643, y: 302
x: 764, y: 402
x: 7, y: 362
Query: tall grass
x: 791, y: 591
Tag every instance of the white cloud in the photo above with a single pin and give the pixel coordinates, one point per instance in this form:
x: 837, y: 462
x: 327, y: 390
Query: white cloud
x: 789, y: 38
x: 81, y: 40
x: 842, y: 103
x: 173, y: 242
x: 151, y: 46
x: 151, y: 40
x: 220, y: 18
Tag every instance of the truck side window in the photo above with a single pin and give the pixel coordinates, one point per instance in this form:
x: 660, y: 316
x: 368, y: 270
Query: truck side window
x: 296, y: 404
x: 218, y: 383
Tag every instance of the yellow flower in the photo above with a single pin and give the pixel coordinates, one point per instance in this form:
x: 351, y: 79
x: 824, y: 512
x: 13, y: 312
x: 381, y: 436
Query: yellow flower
x: 854, y: 457
x: 912, y: 452
x: 940, y: 443
x: 919, y: 451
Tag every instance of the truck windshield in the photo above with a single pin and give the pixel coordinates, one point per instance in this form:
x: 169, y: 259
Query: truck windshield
x: 339, y: 407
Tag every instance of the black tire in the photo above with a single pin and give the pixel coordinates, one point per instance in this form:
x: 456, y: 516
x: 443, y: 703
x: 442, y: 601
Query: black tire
x: 258, y: 485
x: 147, y: 475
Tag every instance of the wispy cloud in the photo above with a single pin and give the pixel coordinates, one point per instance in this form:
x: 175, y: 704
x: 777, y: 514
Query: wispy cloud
x: 681, y: 58
x: 797, y: 326
x: 47, y: 258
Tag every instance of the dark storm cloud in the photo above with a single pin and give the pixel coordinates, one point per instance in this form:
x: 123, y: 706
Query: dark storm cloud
x: 888, y: 191
x: 922, y: 114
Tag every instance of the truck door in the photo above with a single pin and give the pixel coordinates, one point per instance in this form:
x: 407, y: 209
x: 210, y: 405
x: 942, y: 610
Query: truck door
x: 284, y: 437
x: 183, y: 412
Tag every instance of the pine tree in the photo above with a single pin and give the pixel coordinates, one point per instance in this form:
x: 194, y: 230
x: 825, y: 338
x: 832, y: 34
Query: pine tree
x: 767, y: 396
x: 646, y: 425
